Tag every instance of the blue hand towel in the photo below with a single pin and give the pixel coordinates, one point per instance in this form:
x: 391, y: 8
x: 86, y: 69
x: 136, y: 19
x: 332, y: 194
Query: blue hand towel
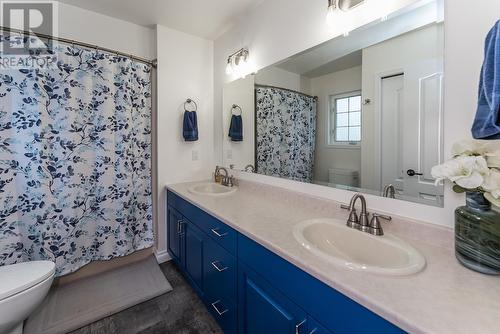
x: 190, y: 131
x: 236, y: 128
x: 487, y: 122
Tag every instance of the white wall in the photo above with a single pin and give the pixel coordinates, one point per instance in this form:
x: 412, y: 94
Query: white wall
x: 327, y: 157
x: 185, y: 70
x: 278, y: 29
x: 101, y: 30
x: 240, y: 92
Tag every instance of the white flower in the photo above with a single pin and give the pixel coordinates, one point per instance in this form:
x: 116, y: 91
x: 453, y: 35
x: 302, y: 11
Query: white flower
x: 493, y: 159
x: 492, y: 200
x: 466, y: 171
x: 492, y: 183
x: 469, y: 147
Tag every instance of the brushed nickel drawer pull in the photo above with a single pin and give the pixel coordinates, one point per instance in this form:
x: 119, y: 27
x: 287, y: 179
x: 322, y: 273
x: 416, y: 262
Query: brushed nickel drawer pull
x: 297, y: 327
x: 214, y: 305
x: 216, y: 232
x: 179, y: 226
x: 216, y: 266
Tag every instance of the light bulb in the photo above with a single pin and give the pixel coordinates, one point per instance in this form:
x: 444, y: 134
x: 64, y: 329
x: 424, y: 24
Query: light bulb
x: 229, y: 67
x: 244, y: 66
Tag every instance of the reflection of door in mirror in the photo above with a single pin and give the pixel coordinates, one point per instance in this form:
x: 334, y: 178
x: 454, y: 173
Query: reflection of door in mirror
x: 408, y: 107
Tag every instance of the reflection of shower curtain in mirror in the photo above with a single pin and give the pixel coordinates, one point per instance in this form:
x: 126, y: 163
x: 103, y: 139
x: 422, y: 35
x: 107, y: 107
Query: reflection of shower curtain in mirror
x: 286, y: 133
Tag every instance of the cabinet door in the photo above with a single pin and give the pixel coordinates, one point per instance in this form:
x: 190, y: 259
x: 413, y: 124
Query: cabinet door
x: 174, y: 221
x: 193, y: 253
x: 264, y: 310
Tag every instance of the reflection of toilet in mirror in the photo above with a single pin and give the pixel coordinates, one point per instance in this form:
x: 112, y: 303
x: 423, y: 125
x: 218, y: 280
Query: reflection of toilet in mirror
x: 346, y: 177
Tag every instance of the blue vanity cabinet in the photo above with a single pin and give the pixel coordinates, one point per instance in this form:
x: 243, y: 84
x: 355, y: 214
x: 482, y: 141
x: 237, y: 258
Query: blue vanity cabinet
x: 205, y: 251
x: 250, y: 289
x: 334, y: 311
x: 265, y: 310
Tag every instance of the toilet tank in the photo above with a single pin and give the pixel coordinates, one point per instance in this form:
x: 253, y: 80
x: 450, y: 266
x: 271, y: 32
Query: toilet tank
x: 348, y: 177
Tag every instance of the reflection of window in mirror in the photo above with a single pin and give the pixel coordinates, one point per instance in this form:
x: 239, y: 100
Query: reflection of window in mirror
x: 345, y: 119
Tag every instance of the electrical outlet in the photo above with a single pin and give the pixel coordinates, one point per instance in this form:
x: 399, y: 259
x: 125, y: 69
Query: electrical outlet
x: 229, y: 154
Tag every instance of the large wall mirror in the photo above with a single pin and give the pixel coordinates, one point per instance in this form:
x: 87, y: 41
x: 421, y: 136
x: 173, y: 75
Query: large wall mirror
x: 361, y: 112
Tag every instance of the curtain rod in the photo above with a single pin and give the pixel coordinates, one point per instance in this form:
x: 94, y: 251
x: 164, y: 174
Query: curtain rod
x: 153, y: 63
x: 288, y: 90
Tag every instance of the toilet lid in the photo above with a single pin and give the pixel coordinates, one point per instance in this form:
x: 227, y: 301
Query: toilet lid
x: 16, y: 278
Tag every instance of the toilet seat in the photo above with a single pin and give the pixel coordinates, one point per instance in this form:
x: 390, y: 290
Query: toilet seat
x: 19, y: 277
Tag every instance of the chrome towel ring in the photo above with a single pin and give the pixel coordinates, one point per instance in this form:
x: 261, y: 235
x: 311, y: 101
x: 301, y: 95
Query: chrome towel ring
x: 190, y: 102
x: 235, y: 106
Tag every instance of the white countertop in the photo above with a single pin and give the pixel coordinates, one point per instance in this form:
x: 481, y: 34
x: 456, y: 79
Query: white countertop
x: 444, y: 298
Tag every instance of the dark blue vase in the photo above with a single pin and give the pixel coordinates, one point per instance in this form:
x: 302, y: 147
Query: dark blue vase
x: 477, y: 235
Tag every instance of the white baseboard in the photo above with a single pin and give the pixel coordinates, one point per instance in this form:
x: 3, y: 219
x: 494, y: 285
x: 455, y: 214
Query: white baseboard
x: 162, y: 256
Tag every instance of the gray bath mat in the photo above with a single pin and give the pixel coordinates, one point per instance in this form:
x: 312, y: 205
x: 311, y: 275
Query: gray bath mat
x: 77, y: 304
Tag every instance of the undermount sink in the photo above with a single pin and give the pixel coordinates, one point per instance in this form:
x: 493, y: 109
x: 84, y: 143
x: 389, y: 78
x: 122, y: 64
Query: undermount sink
x: 211, y: 189
x: 333, y: 241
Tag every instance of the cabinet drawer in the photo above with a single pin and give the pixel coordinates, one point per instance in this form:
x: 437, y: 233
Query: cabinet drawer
x: 220, y: 272
x: 218, y: 231
x: 224, y: 313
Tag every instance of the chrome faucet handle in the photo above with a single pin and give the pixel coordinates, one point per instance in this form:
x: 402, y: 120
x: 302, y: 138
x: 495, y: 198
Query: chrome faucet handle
x: 376, y: 226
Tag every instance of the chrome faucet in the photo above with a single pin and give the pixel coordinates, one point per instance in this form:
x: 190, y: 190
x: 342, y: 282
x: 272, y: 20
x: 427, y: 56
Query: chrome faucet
x: 226, y: 179
x: 389, y: 191
x: 358, y: 222
x: 362, y: 222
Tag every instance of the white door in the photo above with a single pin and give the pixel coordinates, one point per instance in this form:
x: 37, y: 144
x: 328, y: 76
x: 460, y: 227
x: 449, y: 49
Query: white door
x: 411, y: 132
x: 423, y: 129
x: 392, y: 106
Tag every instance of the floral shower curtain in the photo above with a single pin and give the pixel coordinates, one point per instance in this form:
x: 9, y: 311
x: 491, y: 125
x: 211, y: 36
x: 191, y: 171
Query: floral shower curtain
x: 75, y: 160
x: 286, y: 133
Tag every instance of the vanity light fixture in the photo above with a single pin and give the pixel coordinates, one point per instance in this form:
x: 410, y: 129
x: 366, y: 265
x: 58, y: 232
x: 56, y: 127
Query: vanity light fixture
x: 343, y: 5
x: 238, y: 62
x: 229, y: 67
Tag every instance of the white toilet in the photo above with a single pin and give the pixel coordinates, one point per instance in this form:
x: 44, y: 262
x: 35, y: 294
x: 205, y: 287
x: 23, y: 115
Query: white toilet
x: 23, y: 286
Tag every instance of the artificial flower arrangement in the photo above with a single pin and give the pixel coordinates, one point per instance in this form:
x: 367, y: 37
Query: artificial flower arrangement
x: 475, y: 167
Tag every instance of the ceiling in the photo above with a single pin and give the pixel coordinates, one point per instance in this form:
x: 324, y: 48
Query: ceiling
x: 204, y: 18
